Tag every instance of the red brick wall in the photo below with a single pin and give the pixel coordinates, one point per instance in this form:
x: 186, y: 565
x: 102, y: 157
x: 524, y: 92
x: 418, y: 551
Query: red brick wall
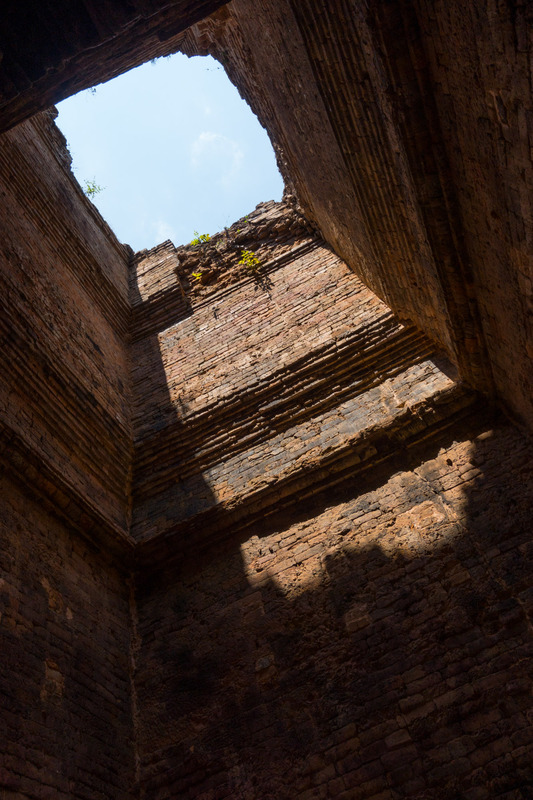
x: 63, y: 323
x: 318, y: 81
x: 405, y: 130
x: 66, y: 724
x: 372, y: 644
x: 487, y: 127
x: 332, y: 551
x: 343, y: 606
x: 242, y: 388
x: 65, y: 720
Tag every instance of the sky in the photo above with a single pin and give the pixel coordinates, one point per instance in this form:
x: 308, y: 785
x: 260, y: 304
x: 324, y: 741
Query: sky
x: 174, y: 148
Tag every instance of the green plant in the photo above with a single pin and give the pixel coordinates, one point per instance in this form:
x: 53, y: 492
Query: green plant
x: 200, y: 238
x: 91, y: 188
x: 197, y: 276
x: 249, y: 260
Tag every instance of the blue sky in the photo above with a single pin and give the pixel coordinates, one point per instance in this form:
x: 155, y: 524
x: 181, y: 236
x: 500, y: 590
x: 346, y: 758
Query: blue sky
x: 175, y: 149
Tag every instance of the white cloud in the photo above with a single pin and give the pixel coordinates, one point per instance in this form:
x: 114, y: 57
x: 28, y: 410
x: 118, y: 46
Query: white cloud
x: 218, y: 155
x: 163, y: 231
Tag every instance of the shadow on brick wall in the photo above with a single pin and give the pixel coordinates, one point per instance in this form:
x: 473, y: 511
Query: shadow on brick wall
x: 374, y: 644
x: 160, y: 485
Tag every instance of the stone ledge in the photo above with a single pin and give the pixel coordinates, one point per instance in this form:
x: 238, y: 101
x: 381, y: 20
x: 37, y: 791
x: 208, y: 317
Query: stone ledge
x: 418, y: 427
x: 44, y: 480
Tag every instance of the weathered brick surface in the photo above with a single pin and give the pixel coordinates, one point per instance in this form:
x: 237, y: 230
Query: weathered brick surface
x: 65, y: 720
x: 77, y: 45
x: 405, y: 130
x: 331, y: 550
x: 374, y: 644
x: 487, y: 128
x: 260, y: 379
x: 63, y: 323
x: 319, y: 84
x: 346, y: 641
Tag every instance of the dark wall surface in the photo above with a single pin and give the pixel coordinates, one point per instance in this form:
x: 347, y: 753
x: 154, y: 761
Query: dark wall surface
x: 341, y: 606
x: 373, y: 644
x: 66, y: 723
x: 53, y: 50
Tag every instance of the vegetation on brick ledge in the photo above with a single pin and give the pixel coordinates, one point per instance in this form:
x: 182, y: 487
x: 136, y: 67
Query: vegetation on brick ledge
x: 249, y: 260
x: 91, y: 188
x: 226, y: 257
x: 200, y: 238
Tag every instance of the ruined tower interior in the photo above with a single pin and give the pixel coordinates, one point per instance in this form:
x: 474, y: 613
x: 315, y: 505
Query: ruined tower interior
x: 266, y: 529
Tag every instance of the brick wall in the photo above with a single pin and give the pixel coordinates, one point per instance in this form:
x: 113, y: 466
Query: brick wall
x: 405, y: 130
x: 66, y: 724
x: 373, y: 643
x: 243, y: 385
x: 330, y: 543
x: 63, y: 323
x: 66, y: 720
x: 333, y: 595
x: 488, y: 130
x: 319, y: 82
